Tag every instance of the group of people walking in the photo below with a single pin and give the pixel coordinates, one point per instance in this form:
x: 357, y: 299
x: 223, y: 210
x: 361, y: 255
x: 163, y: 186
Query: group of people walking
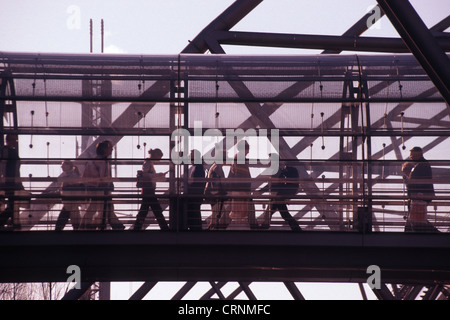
x: 230, y: 197
x: 95, y: 184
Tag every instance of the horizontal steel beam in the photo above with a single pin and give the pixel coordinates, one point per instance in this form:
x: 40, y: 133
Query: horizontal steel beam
x: 303, y: 41
x: 443, y: 131
x: 224, y: 256
x: 211, y: 100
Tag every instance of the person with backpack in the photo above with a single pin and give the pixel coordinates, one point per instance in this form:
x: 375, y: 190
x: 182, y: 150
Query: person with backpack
x: 284, y: 186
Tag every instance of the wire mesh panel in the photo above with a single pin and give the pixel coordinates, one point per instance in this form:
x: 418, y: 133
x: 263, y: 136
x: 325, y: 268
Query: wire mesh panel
x: 346, y: 124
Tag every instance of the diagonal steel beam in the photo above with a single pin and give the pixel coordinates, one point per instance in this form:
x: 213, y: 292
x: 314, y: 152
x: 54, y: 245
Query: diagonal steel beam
x: 259, y: 117
x: 357, y: 29
x: 75, y: 294
x: 184, y: 290
x: 215, y: 288
x: 145, y: 288
x: 383, y: 293
x: 420, y: 42
x: 246, y: 288
x: 441, y: 26
x: 395, y: 146
x: 126, y: 119
x: 294, y: 291
x: 224, y: 22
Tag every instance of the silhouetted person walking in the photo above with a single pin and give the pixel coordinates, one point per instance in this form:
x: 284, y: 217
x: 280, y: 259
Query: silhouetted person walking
x: 100, y: 186
x: 420, y: 193
x: 147, y: 181
x: 284, y: 186
x: 215, y: 190
x: 71, y: 192
x: 10, y: 183
x: 242, y: 213
x: 196, y: 187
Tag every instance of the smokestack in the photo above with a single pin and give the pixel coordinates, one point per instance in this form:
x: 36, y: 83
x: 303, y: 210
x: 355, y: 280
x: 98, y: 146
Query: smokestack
x: 90, y: 33
x: 103, y: 32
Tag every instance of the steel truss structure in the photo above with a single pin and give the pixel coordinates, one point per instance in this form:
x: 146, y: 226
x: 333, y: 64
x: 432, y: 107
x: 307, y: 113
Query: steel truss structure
x: 344, y: 121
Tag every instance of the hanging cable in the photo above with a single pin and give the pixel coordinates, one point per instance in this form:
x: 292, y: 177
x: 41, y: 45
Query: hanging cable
x: 45, y: 102
x: 216, y: 113
x: 139, y: 113
x: 33, y: 84
x: 323, y: 138
x: 400, y: 86
x: 382, y: 168
x: 141, y: 84
x: 32, y: 125
x: 312, y: 106
x: 323, y: 193
x: 321, y: 97
x: 48, y: 158
x: 386, y: 106
x: 401, y: 122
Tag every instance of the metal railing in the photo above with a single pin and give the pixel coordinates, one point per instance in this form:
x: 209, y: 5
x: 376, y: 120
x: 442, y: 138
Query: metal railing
x: 328, y: 202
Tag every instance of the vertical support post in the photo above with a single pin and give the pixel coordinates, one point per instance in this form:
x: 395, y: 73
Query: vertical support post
x: 178, y: 119
x: 94, y: 114
x: 7, y: 106
x: 104, y: 291
x: 2, y: 107
x: 349, y: 118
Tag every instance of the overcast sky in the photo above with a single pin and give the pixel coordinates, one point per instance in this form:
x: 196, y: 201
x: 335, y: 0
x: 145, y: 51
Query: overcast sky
x: 166, y: 26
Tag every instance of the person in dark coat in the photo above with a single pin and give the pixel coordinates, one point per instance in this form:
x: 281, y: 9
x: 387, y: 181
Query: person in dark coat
x: 196, y: 187
x: 147, y: 178
x: 10, y: 183
x: 284, y: 186
x: 70, y: 189
x: 420, y: 194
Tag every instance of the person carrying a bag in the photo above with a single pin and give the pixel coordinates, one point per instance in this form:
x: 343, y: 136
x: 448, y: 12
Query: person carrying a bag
x: 146, y: 180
